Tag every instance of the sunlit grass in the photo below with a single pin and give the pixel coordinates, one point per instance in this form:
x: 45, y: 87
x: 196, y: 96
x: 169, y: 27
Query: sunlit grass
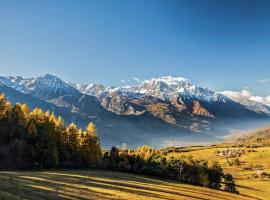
x: 99, y: 185
x: 247, y: 184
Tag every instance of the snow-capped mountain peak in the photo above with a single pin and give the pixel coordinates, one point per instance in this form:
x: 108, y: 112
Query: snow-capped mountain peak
x: 169, y: 80
x: 46, y: 87
x: 90, y: 89
x: 165, y: 88
x: 168, y: 86
x: 49, y: 87
x: 50, y: 81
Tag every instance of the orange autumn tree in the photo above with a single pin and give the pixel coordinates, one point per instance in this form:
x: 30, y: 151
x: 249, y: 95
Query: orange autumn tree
x: 91, y: 146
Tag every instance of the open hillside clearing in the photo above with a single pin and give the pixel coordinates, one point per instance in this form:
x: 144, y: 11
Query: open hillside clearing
x: 100, y: 185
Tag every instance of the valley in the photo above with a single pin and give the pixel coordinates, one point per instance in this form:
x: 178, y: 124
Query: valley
x: 247, y: 159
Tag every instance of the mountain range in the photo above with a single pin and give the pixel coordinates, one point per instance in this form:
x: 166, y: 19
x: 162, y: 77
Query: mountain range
x: 153, y: 112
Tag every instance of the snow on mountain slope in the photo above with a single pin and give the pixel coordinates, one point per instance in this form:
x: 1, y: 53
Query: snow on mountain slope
x: 18, y: 83
x: 6, y: 81
x: 90, y: 89
x: 256, y: 106
x: 167, y: 87
x: 177, y: 91
x: 164, y: 88
x: 244, y: 98
x: 46, y: 87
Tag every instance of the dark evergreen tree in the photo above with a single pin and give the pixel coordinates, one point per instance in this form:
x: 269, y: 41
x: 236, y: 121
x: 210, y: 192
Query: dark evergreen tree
x: 229, y: 182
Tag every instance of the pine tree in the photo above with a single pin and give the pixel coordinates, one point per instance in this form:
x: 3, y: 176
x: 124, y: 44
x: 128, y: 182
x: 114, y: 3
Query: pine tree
x: 215, y: 175
x: 114, y: 158
x: 73, y: 145
x: 91, y: 146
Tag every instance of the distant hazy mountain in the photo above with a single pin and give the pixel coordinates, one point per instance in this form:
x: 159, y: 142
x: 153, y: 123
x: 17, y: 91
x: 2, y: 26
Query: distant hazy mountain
x: 171, y: 89
x: 174, y: 100
x: 157, y: 108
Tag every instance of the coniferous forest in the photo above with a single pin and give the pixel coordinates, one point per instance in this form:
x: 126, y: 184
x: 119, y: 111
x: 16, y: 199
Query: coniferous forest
x: 39, y: 140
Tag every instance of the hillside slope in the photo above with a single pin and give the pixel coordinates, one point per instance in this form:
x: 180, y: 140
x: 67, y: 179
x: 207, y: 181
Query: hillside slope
x: 100, y: 185
x: 258, y: 137
x: 244, y: 173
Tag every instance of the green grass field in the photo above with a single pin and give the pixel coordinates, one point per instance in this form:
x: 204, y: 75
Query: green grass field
x: 100, y: 185
x: 247, y: 184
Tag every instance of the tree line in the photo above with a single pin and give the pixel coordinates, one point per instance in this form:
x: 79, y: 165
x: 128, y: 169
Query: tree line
x: 39, y: 140
x: 149, y: 161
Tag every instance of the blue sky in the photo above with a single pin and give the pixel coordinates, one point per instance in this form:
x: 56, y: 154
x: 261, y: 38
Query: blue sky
x: 223, y: 45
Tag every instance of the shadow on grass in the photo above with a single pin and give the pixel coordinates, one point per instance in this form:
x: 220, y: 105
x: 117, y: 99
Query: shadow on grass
x: 38, y: 190
x: 142, y: 185
x: 139, y: 186
x: 79, y: 185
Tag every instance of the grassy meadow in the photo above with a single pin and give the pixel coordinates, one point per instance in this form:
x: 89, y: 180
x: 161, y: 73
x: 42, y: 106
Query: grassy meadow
x: 245, y: 172
x: 100, y: 185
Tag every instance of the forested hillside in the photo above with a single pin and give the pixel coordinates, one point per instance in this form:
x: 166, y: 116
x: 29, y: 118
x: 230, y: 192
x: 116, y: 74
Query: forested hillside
x: 37, y: 139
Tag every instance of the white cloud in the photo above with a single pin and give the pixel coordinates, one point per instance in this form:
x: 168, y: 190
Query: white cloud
x: 238, y: 96
x: 131, y: 80
x: 264, y: 80
x: 136, y: 79
x: 263, y: 100
x: 245, y: 95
